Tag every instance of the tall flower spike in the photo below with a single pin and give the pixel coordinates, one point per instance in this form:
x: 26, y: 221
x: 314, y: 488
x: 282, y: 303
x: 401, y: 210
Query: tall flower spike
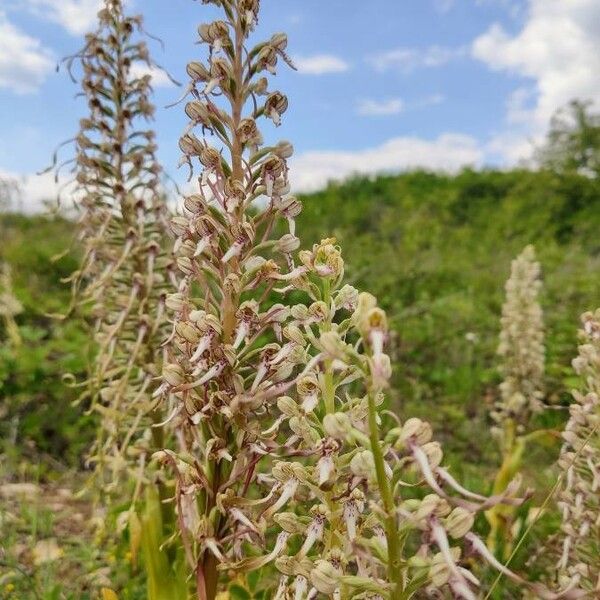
x: 521, y: 350
x: 521, y: 345
x: 278, y: 411
x: 122, y: 227
x: 579, y: 461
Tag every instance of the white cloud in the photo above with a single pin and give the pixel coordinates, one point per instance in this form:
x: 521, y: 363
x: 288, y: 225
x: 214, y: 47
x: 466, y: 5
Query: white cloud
x: 159, y: 77
x: 449, y: 152
x: 37, y: 192
x: 24, y: 62
x: 509, y: 148
x: 558, y: 50
x: 380, y: 108
x: 409, y: 59
x: 320, y: 64
x: 76, y: 16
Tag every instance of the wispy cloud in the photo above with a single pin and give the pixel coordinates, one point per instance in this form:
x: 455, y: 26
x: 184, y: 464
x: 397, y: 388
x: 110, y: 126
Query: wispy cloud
x: 380, y: 108
x: 76, y: 16
x: 410, y: 59
x: 369, y: 107
x: 24, y: 62
x: 320, y: 64
x: 449, y: 152
x: 36, y: 193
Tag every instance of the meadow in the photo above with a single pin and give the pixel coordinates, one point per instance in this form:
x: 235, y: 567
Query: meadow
x: 250, y: 400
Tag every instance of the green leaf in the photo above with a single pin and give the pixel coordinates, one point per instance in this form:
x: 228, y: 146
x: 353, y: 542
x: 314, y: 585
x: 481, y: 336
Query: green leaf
x: 237, y: 592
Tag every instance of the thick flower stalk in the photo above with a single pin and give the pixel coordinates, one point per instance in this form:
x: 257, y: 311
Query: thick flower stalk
x: 579, y: 461
x: 277, y: 372
x: 521, y: 350
x: 124, y: 271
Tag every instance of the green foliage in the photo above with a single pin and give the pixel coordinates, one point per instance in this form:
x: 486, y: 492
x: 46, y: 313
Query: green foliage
x: 37, y: 414
x: 436, y: 249
x: 573, y: 142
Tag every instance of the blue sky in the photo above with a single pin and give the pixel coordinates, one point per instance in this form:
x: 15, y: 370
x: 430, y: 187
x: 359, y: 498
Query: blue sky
x: 382, y: 85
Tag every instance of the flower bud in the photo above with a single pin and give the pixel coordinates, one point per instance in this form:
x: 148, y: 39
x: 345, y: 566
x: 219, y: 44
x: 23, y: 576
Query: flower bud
x: 337, y: 425
x: 363, y: 464
x: 179, y: 226
x: 346, y: 298
x: 294, y: 334
x: 284, y: 149
x: 173, y: 374
x: 439, y: 571
x: 288, y: 243
x: 198, y: 112
x: 187, y: 331
x: 190, y: 145
x: 288, y: 406
x: 185, y: 265
x: 432, y: 504
x: 433, y: 451
x: 325, y: 577
x: 459, y: 522
x: 290, y: 522
x: 197, y: 71
x: 415, y: 430
x: 175, y: 302
x: 333, y: 345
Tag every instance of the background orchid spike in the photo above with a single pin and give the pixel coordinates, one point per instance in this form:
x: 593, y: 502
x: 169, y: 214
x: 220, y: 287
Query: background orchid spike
x: 124, y: 270
x: 277, y: 372
x: 521, y: 350
x: 521, y: 345
x: 579, y: 497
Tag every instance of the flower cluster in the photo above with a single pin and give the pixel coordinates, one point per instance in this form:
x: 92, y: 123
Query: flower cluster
x: 521, y: 345
x: 124, y: 272
x: 276, y: 376
x: 579, y: 498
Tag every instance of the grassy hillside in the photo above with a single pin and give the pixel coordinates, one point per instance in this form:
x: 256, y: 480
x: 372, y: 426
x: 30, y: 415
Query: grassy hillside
x: 435, y: 249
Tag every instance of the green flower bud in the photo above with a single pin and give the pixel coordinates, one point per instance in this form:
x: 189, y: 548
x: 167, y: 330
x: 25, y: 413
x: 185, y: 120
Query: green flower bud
x: 459, y: 522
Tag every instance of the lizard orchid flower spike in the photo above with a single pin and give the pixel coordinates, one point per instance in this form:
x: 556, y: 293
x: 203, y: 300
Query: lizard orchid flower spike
x: 123, y: 222
x: 291, y: 473
x: 579, y: 497
x: 521, y: 349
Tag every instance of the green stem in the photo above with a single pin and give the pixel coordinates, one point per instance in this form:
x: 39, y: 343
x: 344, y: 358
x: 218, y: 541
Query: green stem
x: 329, y: 385
x: 391, y: 527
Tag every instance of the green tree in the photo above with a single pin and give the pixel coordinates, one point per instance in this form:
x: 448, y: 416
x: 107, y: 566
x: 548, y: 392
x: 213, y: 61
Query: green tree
x: 573, y: 141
